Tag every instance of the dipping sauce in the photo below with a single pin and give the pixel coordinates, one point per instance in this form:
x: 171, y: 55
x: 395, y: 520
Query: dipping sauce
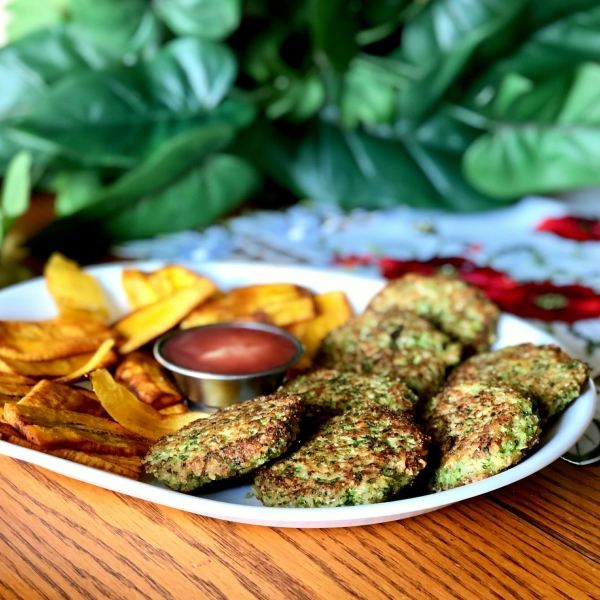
x: 229, y: 350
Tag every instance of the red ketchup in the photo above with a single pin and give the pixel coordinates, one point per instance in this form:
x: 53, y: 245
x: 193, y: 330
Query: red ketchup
x: 228, y: 350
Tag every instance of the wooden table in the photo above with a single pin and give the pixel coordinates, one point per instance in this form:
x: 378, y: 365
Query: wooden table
x: 59, y: 538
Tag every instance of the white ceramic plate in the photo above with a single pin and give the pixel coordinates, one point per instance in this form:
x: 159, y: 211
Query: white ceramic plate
x: 31, y: 301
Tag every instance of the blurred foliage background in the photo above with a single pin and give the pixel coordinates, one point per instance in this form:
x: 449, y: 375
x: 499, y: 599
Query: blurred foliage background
x: 151, y: 117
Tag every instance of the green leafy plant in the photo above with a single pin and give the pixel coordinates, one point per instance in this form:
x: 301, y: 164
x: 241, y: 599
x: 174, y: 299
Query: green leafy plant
x: 146, y: 118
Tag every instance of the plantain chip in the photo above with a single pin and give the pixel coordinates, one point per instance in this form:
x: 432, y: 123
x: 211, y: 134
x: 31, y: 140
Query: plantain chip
x: 7, y: 431
x: 60, y: 367
x: 133, y: 463
x: 245, y: 302
x: 13, y: 436
x: 174, y: 409
x: 13, y: 385
x: 141, y: 374
x: 291, y: 311
x: 98, y: 359
x: 147, y: 323
x: 143, y: 289
x: 9, y: 379
x: 333, y: 310
x: 62, y: 397
x: 53, y: 429
x: 77, y: 294
x: 134, y: 415
x: 97, y: 461
x: 54, y: 338
x: 4, y: 398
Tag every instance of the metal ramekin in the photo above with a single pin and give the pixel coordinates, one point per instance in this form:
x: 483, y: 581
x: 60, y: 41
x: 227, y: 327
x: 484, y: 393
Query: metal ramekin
x: 211, y: 391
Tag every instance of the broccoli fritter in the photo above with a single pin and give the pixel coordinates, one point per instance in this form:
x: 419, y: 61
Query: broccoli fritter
x: 457, y: 308
x: 359, y: 457
x: 546, y: 372
x: 399, y: 344
x: 327, y: 392
x: 232, y: 442
x: 480, y: 429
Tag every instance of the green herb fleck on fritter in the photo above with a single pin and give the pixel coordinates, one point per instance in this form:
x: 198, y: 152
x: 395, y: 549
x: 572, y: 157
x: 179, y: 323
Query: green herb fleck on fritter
x: 398, y: 343
x: 232, y: 442
x: 328, y: 392
x: 359, y: 457
x: 546, y: 372
x: 480, y: 429
x: 459, y: 309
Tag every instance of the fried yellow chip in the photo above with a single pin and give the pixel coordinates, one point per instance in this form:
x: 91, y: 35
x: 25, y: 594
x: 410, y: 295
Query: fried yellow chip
x: 174, y: 409
x: 9, y: 379
x: 147, y: 323
x: 14, y: 385
x: 141, y: 374
x: 7, y: 431
x: 60, y: 367
x: 138, y: 290
x: 97, y: 461
x: 13, y: 436
x: 98, y: 359
x: 53, y: 429
x: 291, y: 311
x: 77, y: 294
x: 333, y: 310
x: 5, y: 398
x: 143, y: 289
x: 54, y: 338
x: 62, y: 397
x: 133, y: 463
x: 134, y: 415
x: 245, y: 302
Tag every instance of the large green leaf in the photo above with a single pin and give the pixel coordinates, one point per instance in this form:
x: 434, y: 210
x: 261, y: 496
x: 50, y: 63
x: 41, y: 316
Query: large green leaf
x: 116, y: 117
x: 558, y: 47
x: 16, y: 190
x: 334, y: 25
x: 172, y: 162
x: 115, y: 148
x: 28, y: 16
x: 187, y: 77
x: 533, y: 156
x: 377, y: 12
x: 16, y: 186
x: 196, y: 200
x: 516, y: 161
x: 519, y: 99
x: 122, y: 28
x: 126, y: 28
x: 300, y: 99
x: 371, y: 89
x: 215, y: 187
x: 544, y: 12
x: 353, y: 169
x: 440, y: 41
x: 210, y: 19
x: 168, y: 163
x: 75, y: 190
x: 29, y: 67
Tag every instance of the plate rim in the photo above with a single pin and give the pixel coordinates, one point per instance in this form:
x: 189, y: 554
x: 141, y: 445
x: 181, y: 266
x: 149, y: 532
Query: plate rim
x: 293, y: 517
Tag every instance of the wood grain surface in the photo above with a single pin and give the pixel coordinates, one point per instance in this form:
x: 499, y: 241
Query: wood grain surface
x: 60, y: 538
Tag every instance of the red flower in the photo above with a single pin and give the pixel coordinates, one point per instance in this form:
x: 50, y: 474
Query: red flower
x: 548, y: 302
x: 544, y: 301
x: 573, y: 228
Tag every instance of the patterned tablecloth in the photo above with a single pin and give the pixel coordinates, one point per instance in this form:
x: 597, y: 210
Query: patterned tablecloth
x: 538, y: 259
